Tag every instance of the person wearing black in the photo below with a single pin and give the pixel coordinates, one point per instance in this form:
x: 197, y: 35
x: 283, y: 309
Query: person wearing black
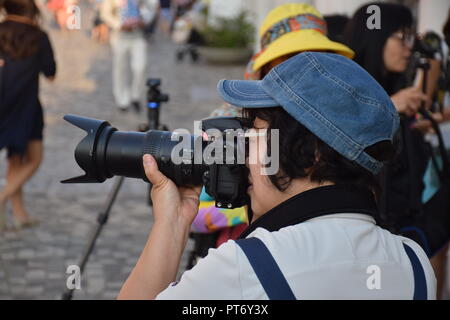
x: 336, y: 26
x: 386, y: 54
x: 25, y: 52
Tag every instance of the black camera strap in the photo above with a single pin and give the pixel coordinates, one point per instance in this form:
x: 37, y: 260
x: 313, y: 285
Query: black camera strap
x: 314, y: 203
x: 444, y: 173
x: 415, y: 203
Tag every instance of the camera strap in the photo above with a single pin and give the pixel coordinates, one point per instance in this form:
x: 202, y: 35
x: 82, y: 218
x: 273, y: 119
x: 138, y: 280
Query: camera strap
x: 314, y: 203
x: 444, y: 175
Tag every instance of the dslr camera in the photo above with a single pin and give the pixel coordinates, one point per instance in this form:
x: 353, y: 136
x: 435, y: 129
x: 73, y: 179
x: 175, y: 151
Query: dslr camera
x: 215, y: 157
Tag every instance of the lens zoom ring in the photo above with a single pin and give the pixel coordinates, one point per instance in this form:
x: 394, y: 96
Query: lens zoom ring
x: 152, y: 142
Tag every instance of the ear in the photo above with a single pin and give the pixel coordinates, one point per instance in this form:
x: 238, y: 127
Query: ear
x: 316, y: 156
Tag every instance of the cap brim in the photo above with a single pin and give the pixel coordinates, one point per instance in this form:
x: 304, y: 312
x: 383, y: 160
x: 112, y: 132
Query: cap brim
x: 245, y: 94
x: 299, y: 41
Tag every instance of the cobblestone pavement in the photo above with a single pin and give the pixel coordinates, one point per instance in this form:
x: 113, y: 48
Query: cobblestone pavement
x: 33, y: 262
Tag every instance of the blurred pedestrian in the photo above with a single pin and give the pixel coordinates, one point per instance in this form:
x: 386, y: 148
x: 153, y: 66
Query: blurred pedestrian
x: 25, y: 52
x: 100, y: 31
x: 181, y: 7
x: 129, y: 45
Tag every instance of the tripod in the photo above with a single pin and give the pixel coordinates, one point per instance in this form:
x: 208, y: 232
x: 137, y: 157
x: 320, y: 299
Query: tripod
x: 155, y: 98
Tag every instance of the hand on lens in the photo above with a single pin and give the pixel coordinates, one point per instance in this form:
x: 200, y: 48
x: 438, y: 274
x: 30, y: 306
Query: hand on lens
x: 175, y: 205
x: 409, y: 100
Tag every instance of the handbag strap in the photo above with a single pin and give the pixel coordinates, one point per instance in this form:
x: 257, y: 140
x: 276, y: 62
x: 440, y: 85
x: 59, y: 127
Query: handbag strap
x: 267, y: 270
x: 420, y: 282
x: 276, y: 286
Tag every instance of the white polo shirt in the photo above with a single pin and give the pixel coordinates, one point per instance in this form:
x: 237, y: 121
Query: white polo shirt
x: 335, y: 256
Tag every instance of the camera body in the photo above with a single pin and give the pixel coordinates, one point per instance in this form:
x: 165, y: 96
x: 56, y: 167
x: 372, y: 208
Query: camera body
x: 227, y: 181
x: 106, y: 152
x: 427, y: 46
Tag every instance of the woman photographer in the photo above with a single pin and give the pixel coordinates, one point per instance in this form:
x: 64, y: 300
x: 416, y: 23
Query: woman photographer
x: 25, y: 52
x: 386, y: 53
x: 314, y: 233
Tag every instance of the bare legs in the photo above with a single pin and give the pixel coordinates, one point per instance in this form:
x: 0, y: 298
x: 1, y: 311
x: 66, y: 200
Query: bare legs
x: 20, y: 170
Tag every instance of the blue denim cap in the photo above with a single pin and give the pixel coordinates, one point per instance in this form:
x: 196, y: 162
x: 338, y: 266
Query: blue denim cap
x: 330, y: 95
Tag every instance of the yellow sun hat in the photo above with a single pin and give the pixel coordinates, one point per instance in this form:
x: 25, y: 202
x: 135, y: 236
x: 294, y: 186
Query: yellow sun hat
x: 295, y: 27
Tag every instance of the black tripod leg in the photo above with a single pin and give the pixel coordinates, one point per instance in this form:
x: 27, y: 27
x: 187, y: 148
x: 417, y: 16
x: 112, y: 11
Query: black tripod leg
x: 102, y: 219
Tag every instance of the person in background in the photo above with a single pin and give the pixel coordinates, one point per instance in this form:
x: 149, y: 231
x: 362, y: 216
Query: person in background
x: 181, y: 7
x: 440, y: 259
x: 386, y: 54
x: 100, y: 31
x: 288, y: 30
x: 336, y: 26
x: 25, y: 52
x: 129, y: 46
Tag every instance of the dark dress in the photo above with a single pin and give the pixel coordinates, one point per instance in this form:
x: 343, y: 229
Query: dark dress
x: 21, y: 115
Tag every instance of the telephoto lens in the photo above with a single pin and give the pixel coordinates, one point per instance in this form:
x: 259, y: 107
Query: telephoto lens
x: 106, y: 152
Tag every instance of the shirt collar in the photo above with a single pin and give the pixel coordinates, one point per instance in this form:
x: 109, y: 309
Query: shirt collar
x: 315, y: 203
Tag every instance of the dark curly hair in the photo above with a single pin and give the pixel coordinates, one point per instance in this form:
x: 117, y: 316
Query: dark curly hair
x: 303, y: 154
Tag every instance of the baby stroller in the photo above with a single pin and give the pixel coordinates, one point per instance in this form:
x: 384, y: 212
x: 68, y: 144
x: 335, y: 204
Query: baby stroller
x: 186, y: 33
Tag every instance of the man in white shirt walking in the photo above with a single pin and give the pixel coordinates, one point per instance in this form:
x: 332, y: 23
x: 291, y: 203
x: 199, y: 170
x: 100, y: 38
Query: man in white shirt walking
x: 127, y: 19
